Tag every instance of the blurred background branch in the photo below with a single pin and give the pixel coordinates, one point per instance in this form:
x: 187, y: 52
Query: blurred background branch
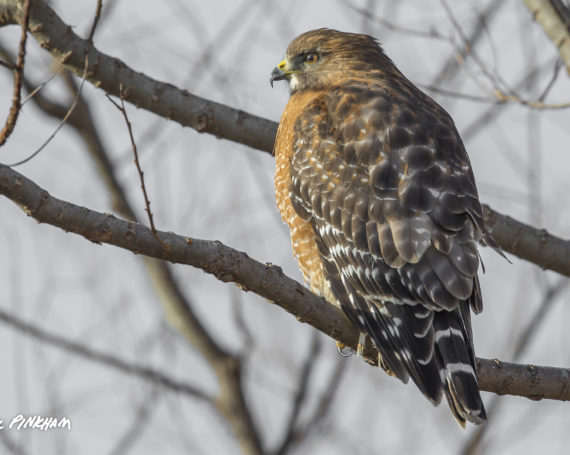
x: 554, y: 18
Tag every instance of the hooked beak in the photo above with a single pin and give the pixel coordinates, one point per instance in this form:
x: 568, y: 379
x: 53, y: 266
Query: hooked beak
x: 279, y: 73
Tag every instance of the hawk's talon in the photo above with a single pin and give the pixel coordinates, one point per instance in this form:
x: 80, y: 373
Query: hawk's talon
x: 341, y: 347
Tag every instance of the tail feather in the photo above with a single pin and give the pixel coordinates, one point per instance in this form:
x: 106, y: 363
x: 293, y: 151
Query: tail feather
x: 433, y: 348
x: 457, y: 368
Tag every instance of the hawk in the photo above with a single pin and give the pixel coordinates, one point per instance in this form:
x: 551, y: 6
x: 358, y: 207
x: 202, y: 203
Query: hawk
x: 377, y: 189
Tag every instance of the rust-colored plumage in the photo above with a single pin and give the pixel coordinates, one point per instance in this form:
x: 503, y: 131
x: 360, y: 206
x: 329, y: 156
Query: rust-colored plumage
x: 377, y: 189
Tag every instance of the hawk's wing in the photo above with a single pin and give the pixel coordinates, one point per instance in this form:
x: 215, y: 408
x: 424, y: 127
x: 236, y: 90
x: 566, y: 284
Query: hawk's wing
x: 387, y: 186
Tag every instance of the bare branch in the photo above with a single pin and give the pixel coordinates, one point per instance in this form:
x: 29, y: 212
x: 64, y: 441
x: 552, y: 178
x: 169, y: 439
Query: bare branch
x: 431, y: 34
x: 64, y: 119
x: 314, y: 421
x: 554, y: 18
x: 266, y: 280
x: 499, y: 98
x: 123, y: 111
x: 527, y: 242
x: 494, y: 111
x: 451, y: 66
x: 18, y: 76
x: 468, y: 50
x: 163, y: 99
x: 503, y: 98
x: 292, y: 427
x: 108, y: 360
x: 324, y: 406
x: 530, y: 381
x: 552, y: 80
x: 138, y: 425
x: 95, y: 21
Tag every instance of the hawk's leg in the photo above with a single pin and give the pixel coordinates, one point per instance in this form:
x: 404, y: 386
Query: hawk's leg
x: 361, y: 344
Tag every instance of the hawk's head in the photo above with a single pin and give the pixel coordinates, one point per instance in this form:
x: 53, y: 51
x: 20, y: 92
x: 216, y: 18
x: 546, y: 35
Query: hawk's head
x: 318, y: 58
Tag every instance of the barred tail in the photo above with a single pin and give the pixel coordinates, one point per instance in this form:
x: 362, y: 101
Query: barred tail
x: 454, y: 349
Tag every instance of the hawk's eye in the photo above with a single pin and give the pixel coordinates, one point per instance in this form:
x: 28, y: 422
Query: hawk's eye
x: 311, y: 58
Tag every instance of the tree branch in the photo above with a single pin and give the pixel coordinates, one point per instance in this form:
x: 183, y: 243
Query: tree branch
x: 109, y: 360
x: 527, y: 242
x: 18, y: 77
x: 166, y: 100
x: 292, y: 426
x: 528, y: 381
x: 163, y: 99
x: 266, y: 280
x: 554, y: 17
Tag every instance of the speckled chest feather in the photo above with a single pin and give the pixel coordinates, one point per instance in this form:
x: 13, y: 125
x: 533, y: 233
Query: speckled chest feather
x: 302, y: 235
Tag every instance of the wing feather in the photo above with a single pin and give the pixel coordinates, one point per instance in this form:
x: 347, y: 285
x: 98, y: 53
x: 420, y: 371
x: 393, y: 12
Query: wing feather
x: 388, y: 188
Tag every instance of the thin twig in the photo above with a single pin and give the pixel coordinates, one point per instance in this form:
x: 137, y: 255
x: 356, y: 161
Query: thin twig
x: 450, y: 68
x: 494, y: 111
x: 18, y: 77
x: 454, y: 94
x: 89, y: 44
x: 95, y: 22
x: 499, y: 98
x: 503, y: 98
x: 432, y: 33
x: 552, y: 80
x: 138, y: 425
x: 11, y: 66
x: 292, y: 426
x: 108, y: 360
x: 58, y: 127
x: 324, y: 406
x: 39, y: 87
x: 9, y: 63
x: 121, y: 108
x: 467, y: 47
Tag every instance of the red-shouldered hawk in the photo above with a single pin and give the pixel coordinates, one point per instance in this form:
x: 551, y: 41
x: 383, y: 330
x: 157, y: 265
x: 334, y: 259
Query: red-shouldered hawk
x: 375, y: 184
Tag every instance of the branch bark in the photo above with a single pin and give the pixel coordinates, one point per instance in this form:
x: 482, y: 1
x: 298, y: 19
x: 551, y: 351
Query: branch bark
x: 266, y: 280
x: 554, y: 17
x: 527, y: 242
